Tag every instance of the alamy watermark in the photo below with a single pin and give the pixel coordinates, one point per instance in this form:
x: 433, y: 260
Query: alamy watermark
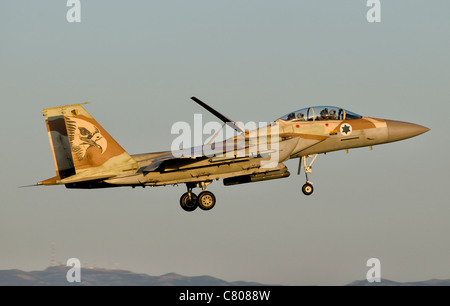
x: 74, y: 12
x: 374, y: 273
x: 374, y: 13
x: 220, y: 141
x: 74, y: 273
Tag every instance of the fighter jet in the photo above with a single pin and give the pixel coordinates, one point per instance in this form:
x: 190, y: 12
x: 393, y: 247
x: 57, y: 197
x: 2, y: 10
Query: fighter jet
x: 86, y: 156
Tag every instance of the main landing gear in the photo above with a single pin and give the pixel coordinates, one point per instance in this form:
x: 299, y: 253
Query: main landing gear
x: 308, y: 187
x: 206, y: 200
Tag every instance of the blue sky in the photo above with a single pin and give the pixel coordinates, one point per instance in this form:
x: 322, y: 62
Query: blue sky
x: 139, y: 62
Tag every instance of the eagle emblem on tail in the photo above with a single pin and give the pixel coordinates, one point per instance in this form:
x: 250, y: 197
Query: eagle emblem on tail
x: 84, y: 135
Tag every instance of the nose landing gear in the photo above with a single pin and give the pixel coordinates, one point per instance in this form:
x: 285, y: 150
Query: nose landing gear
x: 308, y: 187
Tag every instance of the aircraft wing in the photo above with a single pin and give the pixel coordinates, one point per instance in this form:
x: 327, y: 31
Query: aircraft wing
x: 190, y: 156
x: 232, y: 152
x: 233, y: 161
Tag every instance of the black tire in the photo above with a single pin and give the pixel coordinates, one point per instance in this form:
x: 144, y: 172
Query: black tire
x: 206, y: 200
x: 189, y: 204
x: 308, y: 189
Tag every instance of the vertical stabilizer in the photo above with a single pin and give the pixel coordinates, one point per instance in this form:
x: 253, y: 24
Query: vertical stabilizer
x: 81, y: 148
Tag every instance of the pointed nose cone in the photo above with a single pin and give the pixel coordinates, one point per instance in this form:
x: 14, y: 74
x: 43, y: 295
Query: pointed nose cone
x: 398, y: 130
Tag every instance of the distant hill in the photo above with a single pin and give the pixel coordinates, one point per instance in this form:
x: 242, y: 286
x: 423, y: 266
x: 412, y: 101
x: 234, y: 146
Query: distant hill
x: 386, y: 282
x: 56, y: 276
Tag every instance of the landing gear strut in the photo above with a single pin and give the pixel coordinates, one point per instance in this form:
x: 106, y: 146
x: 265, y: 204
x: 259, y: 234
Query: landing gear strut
x: 206, y: 200
x: 308, y: 187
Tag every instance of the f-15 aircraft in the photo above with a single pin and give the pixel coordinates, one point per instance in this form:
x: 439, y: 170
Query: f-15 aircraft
x: 86, y: 156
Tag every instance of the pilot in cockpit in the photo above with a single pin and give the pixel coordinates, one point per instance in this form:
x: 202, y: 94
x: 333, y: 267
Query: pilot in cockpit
x: 333, y: 114
x: 324, y: 113
x: 300, y: 117
x: 291, y: 116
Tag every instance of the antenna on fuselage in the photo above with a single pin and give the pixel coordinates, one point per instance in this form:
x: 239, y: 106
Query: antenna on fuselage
x: 223, y: 118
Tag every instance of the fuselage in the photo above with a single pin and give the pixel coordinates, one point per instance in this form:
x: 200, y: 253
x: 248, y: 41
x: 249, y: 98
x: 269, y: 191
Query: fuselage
x: 83, y: 161
x: 296, y: 139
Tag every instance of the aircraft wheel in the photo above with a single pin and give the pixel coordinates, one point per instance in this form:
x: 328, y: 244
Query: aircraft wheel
x: 189, y: 203
x: 206, y: 200
x: 307, y: 189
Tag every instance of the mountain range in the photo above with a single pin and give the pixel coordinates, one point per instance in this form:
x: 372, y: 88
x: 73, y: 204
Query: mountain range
x: 56, y: 276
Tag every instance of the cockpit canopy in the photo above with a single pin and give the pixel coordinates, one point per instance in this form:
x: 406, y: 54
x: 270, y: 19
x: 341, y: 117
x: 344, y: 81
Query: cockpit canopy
x: 317, y: 113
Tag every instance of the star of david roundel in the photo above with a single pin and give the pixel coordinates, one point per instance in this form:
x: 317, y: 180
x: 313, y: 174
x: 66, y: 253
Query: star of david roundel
x: 346, y: 129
